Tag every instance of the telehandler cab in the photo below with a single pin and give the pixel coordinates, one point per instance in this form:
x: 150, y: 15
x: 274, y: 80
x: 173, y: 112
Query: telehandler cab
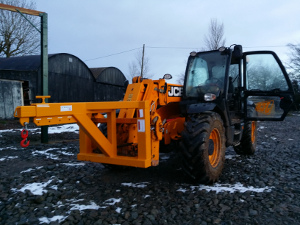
x: 224, y: 93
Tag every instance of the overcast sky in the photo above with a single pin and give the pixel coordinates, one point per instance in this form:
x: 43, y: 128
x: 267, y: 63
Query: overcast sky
x: 92, y: 30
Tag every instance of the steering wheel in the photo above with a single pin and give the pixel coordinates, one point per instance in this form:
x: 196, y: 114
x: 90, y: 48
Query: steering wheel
x: 214, y: 81
x: 213, y: 85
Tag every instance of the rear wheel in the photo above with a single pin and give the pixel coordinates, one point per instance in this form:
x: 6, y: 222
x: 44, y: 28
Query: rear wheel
x: 203, y: 147
x: 247, y: 145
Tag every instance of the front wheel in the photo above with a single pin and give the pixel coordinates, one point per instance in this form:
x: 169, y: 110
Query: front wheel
x: 203, y: 147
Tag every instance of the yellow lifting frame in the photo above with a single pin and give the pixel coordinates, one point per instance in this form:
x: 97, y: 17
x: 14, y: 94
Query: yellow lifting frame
x: 89, y: 134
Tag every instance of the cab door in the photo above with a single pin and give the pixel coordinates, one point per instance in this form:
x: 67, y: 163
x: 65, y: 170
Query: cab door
x: 268, y: 92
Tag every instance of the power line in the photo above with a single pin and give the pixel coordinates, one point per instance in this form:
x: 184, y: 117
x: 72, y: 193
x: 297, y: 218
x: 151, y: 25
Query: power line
x: 112, y: 54
x: 271, y: 46
x: 105, y: 56
x: 173, y: 47
x: 165, y: 47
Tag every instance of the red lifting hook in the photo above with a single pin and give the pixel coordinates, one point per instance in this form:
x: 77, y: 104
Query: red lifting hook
x: 24, y: 135
x: 24, y: 145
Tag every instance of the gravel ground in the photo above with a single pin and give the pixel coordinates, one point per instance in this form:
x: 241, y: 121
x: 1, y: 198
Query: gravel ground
x: 45, y: 184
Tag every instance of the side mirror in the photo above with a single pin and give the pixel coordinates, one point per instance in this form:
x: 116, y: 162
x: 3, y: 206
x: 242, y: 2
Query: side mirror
x: 167, y: 76
x: 237, y: 52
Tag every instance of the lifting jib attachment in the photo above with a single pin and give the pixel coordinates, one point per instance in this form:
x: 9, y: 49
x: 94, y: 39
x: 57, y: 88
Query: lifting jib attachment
x: 94, y: 145
x: 129, y: 139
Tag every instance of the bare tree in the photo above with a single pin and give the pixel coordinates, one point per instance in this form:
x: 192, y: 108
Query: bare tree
x: 294, y: 71
x: 133, y: 69
x: 17, y: 36
x: 212, y: 41
x: 294, y: 64
x: 136, y: 66
x: 215, y: 38
x: 181, y: 77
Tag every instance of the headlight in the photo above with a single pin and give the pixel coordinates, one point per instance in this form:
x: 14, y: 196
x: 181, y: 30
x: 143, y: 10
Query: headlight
x: 209, y: 97
x: 193, y: 53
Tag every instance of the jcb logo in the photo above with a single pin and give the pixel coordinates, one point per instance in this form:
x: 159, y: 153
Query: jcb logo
x: 175, y: 91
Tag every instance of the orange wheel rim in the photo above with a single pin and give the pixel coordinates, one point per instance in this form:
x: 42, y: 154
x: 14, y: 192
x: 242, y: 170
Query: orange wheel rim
x: 253, y: 128
x: 214, y: 157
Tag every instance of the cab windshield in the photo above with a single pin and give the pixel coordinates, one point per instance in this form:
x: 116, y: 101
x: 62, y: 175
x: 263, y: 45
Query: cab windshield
x: 206, y: 74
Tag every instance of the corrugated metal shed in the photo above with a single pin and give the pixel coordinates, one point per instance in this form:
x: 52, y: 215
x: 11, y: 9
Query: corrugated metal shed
x: 109, y: 84
x: 70, y: 80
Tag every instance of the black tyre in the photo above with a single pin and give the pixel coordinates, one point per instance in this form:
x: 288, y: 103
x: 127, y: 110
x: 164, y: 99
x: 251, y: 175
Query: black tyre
x: 203, y: 147
x: 103, y: 128
x: 247, y: 145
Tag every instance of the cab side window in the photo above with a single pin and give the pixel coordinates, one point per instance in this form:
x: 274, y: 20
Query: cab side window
x: 264, y: 74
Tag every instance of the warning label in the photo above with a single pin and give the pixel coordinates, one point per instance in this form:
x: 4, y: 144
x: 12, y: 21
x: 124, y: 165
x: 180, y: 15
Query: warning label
x: 66, y: 108
x: 141, y: 125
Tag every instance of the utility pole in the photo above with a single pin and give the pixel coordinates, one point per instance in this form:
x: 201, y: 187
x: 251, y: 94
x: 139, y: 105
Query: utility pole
x: 44, y: 51
x: 142, y: 67
x: 44, y: 68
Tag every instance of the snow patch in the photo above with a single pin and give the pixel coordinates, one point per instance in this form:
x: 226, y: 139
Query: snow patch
x: 163, y: 156
x: 231, y: 156
x: 16, y: 130
x: 238, y: 187
x: 118, y: 210
x: 8, y: 158
x: 8, y: 148
x: 182, y: 190
x: 137, y: 185
x: 79, y: 207
x: 31, y: 169
x: 66, y: 153
x: 74, y: 204
x: 58, y: 219
x: 112, y: 201
x: 47, y: 154
x: 261, y: 128
x: 73, y: 164
x: 64, y: 128
x: 34, y: 188
x: 51, y: 130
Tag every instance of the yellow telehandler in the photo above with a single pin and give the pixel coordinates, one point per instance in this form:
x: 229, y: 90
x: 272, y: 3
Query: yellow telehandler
x: 224, y: 93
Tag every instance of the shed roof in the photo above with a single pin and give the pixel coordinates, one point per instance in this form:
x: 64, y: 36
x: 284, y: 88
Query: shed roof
x: 97, y: 71
x: 109, y: 75
x: 26, y: 63
x: 21, y: 63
